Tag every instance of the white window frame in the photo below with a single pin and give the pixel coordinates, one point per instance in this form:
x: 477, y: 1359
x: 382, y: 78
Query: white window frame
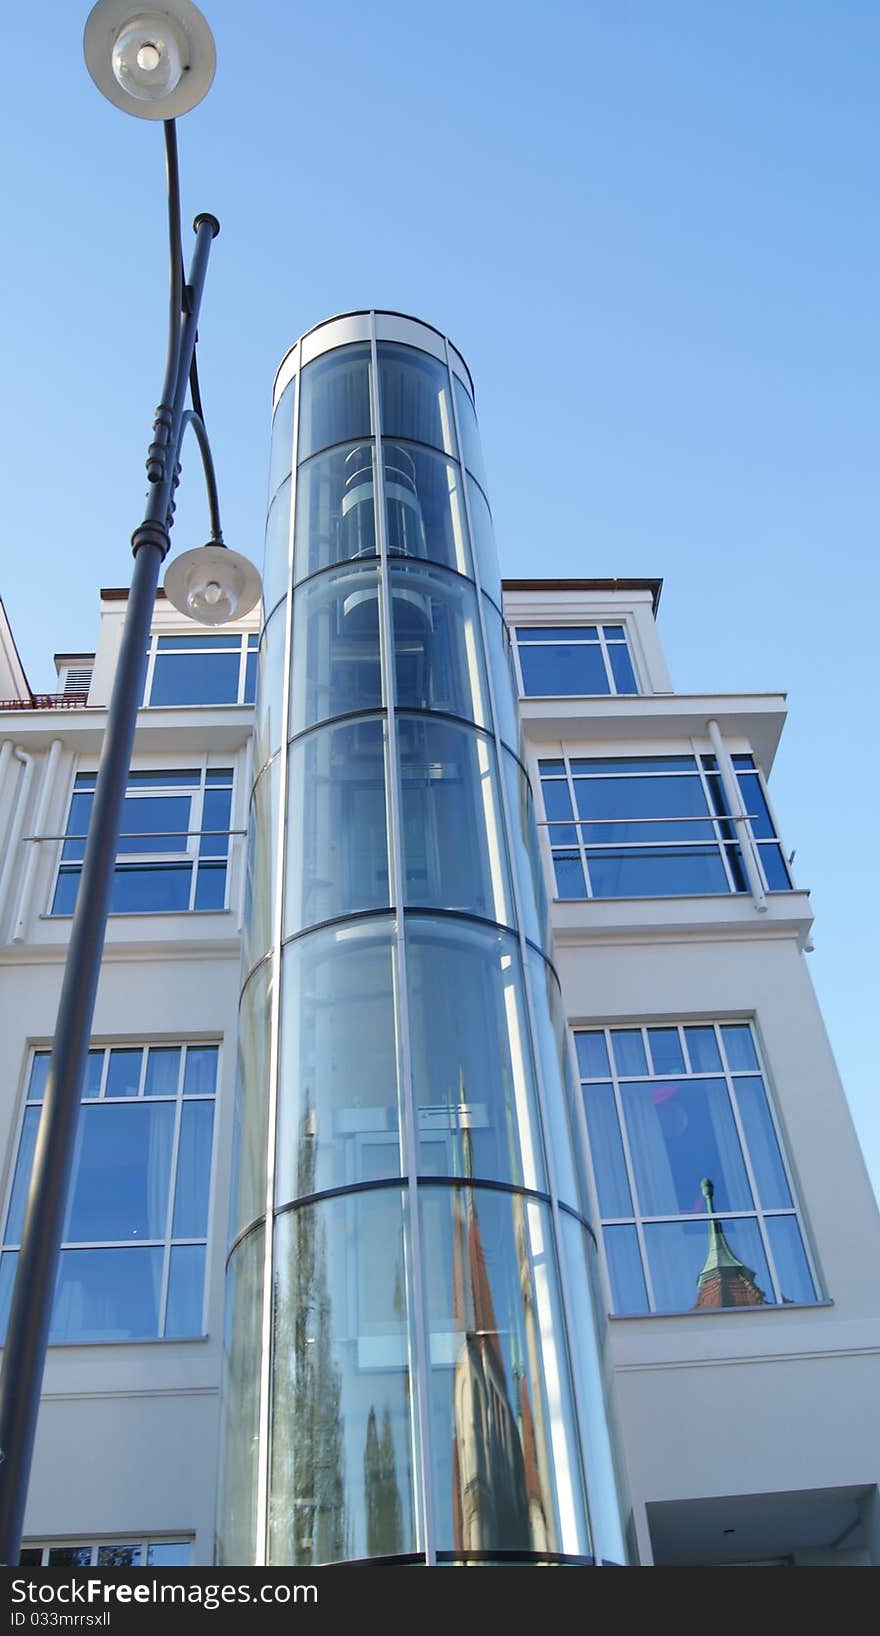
x: 721, y: 844
x: 189, y: 852
x: 168, y: 1242
x: 249, y: 644
x: 639, y: 1219
x: 113, y: 1541
x: 603, y: 643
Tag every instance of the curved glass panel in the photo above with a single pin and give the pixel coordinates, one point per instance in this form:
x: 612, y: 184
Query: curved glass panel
x: 484, y: 540
x: 501, y: 665
x: 335, y: 509
x: 338, y: 1118
x: 341, y: 1477
x: 337, y: 845
x: 276, y: 557
x: 524, y: 836
x: 335, y: 665
x: 237, y: 1508
x: 424, y: 506
x: 504, y: 1447
x: 414, y: 397
x: 471, y: 448
x: 449, y: 790
x: 437, y: 647
x: 604, y: 1467
x: 562, y: 1132
x: 248, y: 1198
x: 473, y: 1078
x: 262, y: 859
x: 335, y: 400
x: 270, y: 686
x: 281, y: 448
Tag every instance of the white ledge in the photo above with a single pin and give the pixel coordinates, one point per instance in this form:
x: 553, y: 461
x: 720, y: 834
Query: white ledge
x: 642, y: 718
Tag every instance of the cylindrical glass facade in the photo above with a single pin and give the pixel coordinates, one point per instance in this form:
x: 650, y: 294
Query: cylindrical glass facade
x: 407, y: 1372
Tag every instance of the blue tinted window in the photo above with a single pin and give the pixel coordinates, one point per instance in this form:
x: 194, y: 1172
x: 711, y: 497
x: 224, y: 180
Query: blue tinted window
x: 607, y: 1149
x: 774, y: 868
x: 471, y: 449
x: 195, y: 678
x: 681, y: 1131
x: 562, y: 633
x: 666, y: 1053
x: 39, y: 1070
x: 694, y: 1148
x: 622, y: 669
x: 160, y: 817
x: 763, y: 1147
x: 139, y: 1198
x: 678, y: 871
x: 792, y: 1267
x: 703, y: 1050
x: 678, y: 1253
x: 569, y: 875
x: 557, y: 800
x: 562, y: 670
x: 592, y: 1055
x: 625, y: 1269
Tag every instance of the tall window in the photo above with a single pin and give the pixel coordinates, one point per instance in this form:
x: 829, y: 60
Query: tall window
x: 659, y: 826
x: 696, y: 1204
x: 559, y: 661
x: 174, y: 845
x: 123, y: 1553
x: 135, y: 1234
x: 204, y: 669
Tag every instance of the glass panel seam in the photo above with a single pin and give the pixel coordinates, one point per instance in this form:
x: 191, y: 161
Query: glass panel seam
x: 418, y: 1328
x: 569, y: 1373
x: 266, y: 1320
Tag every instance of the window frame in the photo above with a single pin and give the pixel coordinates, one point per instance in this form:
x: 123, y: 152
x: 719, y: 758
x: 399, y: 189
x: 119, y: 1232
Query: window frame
x: 168, y: 1242
x: 639, y: 1219
x: 722, y: 844
x: 111, y: 1541
x: 248, y: 648
x: 603, y: 643
x: 188, y: 855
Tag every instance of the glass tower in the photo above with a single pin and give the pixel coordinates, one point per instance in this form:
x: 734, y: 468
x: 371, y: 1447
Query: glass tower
x: 412, y: 1369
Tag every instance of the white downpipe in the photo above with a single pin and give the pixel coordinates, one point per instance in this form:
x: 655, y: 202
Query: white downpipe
x: 5, y: 753
x: 15, y: 824
x: 37, y: 826
x: 730, y: 783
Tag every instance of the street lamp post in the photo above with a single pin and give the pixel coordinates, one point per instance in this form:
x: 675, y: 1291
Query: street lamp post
x: 156, y: 64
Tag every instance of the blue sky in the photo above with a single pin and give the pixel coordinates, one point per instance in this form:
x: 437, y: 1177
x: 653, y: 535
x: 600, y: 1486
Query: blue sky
x: 652, y: 230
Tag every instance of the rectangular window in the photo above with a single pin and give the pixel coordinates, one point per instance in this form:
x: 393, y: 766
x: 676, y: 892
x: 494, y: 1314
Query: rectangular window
x: 174, y: 847
x: 638, y: 826
x: 119, y: 1553
x: 204, y: 669
x: 573, y: 660
x: 696, y: 1205
x: 135, y: 1234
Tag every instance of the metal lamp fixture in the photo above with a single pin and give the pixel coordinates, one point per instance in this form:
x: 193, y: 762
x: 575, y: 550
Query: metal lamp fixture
x: 154, y: 63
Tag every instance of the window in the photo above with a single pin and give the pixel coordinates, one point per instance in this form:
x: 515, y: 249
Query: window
x: 206, y: 669
x: 696, y: 1205
x: 174, y: 846
x: 124, y: 1553
x: 133, y: 1252
x: 657, y: 826
x: 560, y: 661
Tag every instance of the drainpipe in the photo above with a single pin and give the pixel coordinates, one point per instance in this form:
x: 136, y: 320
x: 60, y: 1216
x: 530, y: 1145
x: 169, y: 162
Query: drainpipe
x: 15, y: 824
x: 37, y: 826
x: 732, y: 791
x: 5, y: 753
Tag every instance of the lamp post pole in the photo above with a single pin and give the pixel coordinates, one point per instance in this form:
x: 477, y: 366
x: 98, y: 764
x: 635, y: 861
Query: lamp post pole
x: 212, y: 595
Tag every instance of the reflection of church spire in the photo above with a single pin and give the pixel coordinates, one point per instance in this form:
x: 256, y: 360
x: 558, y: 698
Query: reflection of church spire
x: 725, y: 1281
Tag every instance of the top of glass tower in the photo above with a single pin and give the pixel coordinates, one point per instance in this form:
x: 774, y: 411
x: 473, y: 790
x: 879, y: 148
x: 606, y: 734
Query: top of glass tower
x: 357, y: 325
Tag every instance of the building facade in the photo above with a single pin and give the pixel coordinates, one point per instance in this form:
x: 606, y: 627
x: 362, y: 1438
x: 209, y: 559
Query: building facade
x: 463, y: 1174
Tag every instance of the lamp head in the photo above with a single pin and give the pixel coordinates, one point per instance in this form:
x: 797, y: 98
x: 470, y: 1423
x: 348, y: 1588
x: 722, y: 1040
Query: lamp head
x: 212, y: 585
x: 155, y: 61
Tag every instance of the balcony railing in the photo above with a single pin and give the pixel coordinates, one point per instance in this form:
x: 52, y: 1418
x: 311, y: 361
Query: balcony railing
x: 46, y: 701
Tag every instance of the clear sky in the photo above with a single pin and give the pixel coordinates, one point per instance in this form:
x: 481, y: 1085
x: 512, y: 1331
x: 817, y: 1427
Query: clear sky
x: 650, y: 225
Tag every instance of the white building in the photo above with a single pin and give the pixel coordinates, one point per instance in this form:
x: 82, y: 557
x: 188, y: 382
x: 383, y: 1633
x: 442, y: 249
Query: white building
x: 737, y: 1230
